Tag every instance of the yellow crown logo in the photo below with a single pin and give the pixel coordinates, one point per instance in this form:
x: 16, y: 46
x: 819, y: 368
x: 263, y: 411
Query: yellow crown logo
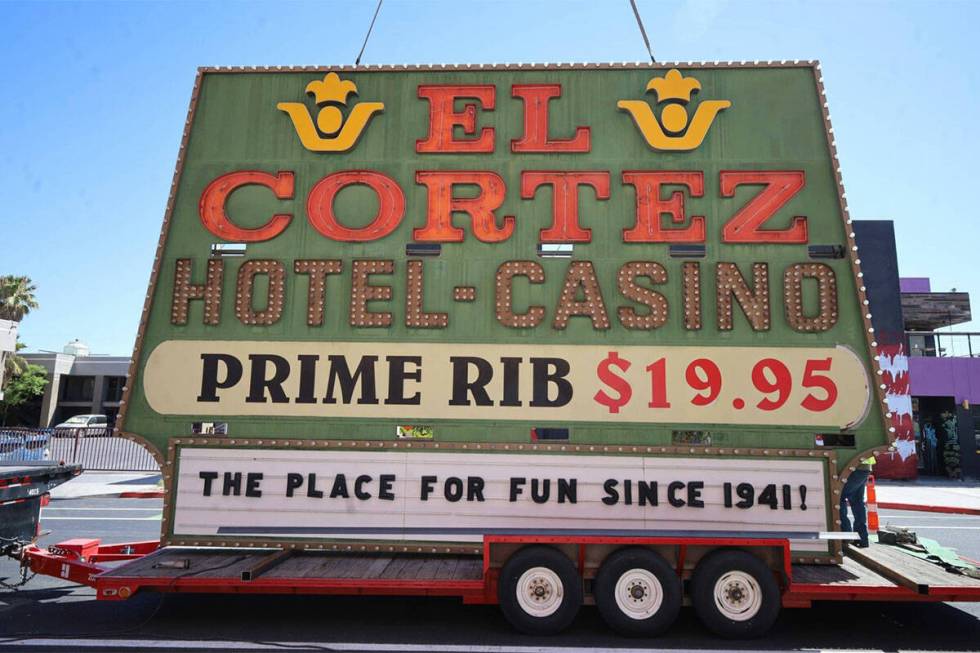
x: 333, y: 132
x: 674, y: 130
x: 331, y: 89
x: 673, y: 86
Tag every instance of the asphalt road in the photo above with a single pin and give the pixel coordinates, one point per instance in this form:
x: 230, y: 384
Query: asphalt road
x: 51, y: 615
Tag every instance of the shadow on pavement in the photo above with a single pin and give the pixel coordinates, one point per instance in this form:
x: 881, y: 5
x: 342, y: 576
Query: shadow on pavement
x: 447, y: 621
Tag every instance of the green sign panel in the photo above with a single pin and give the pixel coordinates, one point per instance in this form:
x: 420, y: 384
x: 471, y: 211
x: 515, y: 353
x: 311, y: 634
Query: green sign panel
x: 617, y: 255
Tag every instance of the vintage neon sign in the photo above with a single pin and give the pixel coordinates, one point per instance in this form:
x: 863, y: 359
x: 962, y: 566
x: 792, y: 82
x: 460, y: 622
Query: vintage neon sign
x: 665, y: 211
x: 747, y: 225
x: 671, y: 131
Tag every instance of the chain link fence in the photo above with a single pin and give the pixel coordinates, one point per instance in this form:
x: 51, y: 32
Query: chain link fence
x: 94, y: 448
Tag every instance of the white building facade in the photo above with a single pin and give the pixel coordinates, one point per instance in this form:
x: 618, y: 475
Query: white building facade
x: 80, y: 383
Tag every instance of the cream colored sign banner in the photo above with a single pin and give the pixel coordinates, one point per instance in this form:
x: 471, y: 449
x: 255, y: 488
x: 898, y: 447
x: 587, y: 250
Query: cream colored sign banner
x: 279, y: 494
x: 415, y: 382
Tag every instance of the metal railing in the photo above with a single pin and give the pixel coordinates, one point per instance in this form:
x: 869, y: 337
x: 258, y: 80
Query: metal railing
x: 19, y: 445
x: 951, y: 344
x: 94, y: 448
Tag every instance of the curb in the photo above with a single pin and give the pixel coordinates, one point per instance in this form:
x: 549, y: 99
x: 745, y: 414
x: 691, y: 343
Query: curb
x: 952, y: 510
x: 149, y: 494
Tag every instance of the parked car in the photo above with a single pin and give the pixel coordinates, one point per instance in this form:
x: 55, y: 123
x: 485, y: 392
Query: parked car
x: 93, y: 424
x: 18, y: 444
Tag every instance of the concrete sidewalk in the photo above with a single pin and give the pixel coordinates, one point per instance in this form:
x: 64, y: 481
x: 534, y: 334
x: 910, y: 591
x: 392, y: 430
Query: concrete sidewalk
x: 930, y: 495
x: 126, y: 485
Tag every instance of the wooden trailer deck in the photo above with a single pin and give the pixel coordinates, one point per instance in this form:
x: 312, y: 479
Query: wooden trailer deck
x: 879, y: 573
x: 278, y: 571
x: 250, y: 564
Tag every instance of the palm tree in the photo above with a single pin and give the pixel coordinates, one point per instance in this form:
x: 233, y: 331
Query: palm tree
x: 16, y: 297
x: 13, y: 363
x: 16, y: 300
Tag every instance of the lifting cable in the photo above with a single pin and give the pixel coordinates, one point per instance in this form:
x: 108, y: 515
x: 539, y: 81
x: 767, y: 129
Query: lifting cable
x: 368, y: 35
x: 643, y: 32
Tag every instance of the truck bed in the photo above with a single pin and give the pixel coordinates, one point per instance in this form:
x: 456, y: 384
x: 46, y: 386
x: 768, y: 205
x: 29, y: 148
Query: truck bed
x: 23, y: 484
x: 21, y: 473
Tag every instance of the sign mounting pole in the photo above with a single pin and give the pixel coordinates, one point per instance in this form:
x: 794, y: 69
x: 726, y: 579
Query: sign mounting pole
x: 360, y: 54
x: 643, y: 32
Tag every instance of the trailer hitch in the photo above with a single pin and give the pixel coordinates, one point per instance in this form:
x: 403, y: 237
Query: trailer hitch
x: 15, y: 549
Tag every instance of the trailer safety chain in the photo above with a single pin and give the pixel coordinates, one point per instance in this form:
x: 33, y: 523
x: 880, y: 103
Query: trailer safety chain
x: 24, y: 579
x: 16, y: 552
x: 65, y: 553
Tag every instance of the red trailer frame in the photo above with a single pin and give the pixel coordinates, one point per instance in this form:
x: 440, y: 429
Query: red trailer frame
x: 82, y: 561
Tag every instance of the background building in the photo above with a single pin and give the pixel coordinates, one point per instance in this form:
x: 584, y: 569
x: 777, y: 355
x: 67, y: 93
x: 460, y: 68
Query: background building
x: 945, y: 375
x: 931, y: 374
x: 79, y: 383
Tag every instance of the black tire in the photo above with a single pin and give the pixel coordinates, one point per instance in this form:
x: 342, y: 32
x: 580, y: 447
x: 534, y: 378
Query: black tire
x: 749, y: 611
x: 558, y: 604
x: 632, y: 621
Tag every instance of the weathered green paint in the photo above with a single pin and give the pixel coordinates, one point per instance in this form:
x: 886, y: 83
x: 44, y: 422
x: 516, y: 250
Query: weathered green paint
x: 775, y: 123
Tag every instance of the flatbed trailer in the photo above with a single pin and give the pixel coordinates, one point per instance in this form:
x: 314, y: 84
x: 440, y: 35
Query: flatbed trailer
x: 646, y: 385
x: 878, y: 573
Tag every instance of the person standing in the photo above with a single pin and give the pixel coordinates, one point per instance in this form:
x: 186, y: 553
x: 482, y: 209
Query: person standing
x: 931, y: 447
x: 853, y: 495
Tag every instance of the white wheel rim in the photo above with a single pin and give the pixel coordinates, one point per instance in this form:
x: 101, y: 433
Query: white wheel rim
x: 639, y: 594
x: 738, y: 595
x: 540, y: 592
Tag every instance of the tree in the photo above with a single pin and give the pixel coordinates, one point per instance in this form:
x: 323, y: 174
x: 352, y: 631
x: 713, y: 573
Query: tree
x: 13, y: 364
x: 22, y: 388
x: 16, y: 297
x: 16, y: 300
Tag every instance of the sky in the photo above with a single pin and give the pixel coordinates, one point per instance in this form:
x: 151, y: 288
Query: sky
x: 94, y: 98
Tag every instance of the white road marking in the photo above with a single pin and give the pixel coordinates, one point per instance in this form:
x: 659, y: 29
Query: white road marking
x: 150, y: 518
x: 955, y: 516
x: 49, y: 508
x: 952, y: 528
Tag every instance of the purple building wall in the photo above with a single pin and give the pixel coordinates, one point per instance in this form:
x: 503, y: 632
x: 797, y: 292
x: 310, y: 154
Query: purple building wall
x: 915, y: 284
x: 945, y: 377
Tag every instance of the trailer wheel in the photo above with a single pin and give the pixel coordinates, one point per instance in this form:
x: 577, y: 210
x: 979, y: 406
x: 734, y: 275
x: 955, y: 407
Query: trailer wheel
x: 637, y: 592
x: 540, y: 591
x: 735, y: 595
